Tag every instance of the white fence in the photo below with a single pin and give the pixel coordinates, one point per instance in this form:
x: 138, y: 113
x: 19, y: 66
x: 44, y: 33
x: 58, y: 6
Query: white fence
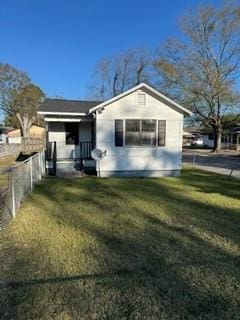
x: 16, y: 182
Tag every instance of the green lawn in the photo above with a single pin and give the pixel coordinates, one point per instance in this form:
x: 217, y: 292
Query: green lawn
x: 4, y: 164
x: 124, y: 249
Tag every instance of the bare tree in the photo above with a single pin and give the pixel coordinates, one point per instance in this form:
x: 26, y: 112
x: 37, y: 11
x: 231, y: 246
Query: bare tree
x: 114, y: 76
x: 203, y: 70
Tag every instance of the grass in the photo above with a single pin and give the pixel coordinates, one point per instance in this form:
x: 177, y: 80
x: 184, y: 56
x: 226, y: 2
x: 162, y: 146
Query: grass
x: 5, y: 163
x: 124, y: 249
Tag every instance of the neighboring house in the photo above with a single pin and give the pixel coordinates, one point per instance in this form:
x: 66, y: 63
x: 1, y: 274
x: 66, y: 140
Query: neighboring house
x: 140, y: 131
x: 3, y: 134
x: 36, y: 131
x: 13, y: 135
x: 234, y: 138
x: 204, y: 137
x: 10, y: 135
x: 190, y: 139
x: 208, y: 138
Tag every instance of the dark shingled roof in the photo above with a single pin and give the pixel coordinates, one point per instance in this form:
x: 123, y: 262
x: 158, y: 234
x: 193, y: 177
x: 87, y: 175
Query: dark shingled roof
x: 62, y: 105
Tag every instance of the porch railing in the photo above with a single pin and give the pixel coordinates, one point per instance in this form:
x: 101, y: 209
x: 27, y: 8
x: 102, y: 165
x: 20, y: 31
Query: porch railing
x: 85, y: 150
x: 51, y: 158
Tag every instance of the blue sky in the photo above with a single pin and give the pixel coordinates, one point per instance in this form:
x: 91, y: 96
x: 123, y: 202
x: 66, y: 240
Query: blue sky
x: 58, y: 42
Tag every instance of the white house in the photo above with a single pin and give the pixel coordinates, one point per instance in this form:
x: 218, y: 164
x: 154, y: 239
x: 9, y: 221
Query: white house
x: 140, y: 131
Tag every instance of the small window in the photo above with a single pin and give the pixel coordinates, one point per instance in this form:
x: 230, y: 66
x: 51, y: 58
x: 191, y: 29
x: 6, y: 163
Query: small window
x: 118, y: 133
x: 161, y: 133
x: 72, y: 135
x: 141, y: 99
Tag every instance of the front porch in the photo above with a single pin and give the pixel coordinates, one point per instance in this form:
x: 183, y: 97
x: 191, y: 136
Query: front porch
x: 70, y: 145
x: 235, y: 140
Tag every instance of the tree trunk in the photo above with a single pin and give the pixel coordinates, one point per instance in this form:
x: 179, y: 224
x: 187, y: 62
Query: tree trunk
x: 219, y: 141
x: 25, y: 124
x: 217, y: 135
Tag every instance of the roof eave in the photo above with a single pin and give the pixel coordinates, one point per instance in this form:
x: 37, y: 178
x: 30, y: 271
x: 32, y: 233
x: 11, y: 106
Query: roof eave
x: 62, y: 113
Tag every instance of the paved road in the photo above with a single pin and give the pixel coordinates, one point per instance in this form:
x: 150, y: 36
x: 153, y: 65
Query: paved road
x: 223, y: 164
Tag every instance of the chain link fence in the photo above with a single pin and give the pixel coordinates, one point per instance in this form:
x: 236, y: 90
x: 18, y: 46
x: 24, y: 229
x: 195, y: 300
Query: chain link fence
x: 16, y: 182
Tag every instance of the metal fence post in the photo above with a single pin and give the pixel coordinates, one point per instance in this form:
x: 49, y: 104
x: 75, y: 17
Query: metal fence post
x: 39, y: 166
x: 31, y: 173
x: 194, y: 159
x: 13, y: 195
x: 43, y: 162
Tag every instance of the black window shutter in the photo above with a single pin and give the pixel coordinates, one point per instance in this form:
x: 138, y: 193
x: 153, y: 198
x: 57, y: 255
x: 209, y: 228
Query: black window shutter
x: 161, y: 133
x: 118, y: 133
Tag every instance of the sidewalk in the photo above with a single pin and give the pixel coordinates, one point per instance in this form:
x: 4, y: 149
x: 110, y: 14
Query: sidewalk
x: 208, y: 152
x: 224, y: 171
x: 227, y: 163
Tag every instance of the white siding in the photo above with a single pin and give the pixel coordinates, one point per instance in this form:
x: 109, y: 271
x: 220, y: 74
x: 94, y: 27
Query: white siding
x: 139, y: 158
x: 207, y: 142
x: 17, y: 140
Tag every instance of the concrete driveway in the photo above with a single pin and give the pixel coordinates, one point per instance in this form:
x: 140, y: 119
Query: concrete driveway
x: 220, y: 163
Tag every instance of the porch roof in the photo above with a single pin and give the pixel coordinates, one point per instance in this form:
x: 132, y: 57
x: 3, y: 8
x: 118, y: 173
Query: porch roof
x: 66, y: 107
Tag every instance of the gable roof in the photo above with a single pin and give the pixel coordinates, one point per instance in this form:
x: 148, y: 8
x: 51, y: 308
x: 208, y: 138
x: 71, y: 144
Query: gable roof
x: 63, y: 106
x: 148, y: 88
x: 83, y: 107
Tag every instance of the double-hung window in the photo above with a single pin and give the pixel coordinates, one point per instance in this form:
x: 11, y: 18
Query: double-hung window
x: 134, y: 132
x: 148, y: 132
